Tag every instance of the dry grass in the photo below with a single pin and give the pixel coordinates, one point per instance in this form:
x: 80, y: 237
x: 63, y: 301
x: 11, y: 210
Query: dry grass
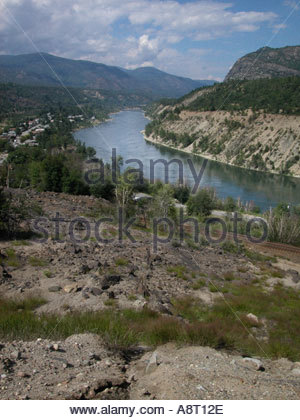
x: 215, y: 326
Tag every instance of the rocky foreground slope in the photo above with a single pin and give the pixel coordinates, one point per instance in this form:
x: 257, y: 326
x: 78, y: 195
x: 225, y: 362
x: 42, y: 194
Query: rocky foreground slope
x: 79, y: 278
x: 82, y: 367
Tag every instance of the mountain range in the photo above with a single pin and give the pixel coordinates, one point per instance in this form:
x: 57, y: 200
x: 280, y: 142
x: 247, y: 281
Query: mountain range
x: 42, y: 69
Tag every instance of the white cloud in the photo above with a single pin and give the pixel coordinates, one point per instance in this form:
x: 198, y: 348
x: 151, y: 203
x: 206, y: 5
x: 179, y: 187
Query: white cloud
x: 146, y: 44
x: 126, y: 33
x: 279, y: 27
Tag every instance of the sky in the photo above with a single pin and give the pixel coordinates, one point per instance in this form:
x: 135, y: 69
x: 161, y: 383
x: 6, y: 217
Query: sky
x: 200, y: 39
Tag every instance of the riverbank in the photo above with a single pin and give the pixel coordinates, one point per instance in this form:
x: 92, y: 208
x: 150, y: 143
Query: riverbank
x: 96, y: 122
x: 211, y: 157
x: 124, y: 133
x: 266, y: 143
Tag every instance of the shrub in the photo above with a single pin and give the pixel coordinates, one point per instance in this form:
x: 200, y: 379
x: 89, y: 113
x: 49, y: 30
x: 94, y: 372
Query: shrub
x: 12, y: 259
x: 179, y: 270
x: 121, y: 262
x: 104, y: 190
x: 199, y: 284
x: 48, y: 274
x: 12, y: 213
x: 229, y: 276
x: 181, y: 193
x: 201, y: 204
x: 283, y: 225
x: 232, y: 247
x: 37, y: 262
x: 230, y: 204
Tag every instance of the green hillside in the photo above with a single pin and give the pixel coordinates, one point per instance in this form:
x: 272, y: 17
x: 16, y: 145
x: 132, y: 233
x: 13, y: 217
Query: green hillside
x: 270, y: 95
x: 17, y: 101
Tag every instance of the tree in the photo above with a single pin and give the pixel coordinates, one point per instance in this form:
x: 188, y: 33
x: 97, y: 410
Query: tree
x: 181, y: 193
x: 123, y: 193
x: 12, y: 213
x: 90, y: 152
x: 230, y: 204
x: 163, y: 204
x: 104, y: 189
x: 200, y: 204
x: 73, y: 184
x: 53, y: 173
x: 35, y: 175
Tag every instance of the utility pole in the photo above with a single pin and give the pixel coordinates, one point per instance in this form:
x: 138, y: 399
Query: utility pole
x: 7, y: 178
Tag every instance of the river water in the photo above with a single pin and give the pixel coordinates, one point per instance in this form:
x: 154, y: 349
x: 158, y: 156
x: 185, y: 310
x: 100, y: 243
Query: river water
x: 123, y: 132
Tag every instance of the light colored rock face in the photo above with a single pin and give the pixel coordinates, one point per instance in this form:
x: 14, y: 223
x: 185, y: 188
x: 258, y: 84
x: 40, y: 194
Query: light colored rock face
x: 267, y: 63
x: 200, y: 373
x: 236, y: 137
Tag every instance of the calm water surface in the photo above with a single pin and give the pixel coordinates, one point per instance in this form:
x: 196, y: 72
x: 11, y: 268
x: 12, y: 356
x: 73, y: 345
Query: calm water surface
x: 123, y: 132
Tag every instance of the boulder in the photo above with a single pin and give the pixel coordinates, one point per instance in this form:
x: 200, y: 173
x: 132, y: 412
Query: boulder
x: 253, y: 318
x: 95, y: 291
x: 16, y: 355
x: 70, y: 288
x: 152, y: 364
x: 251, y: 363
x: 295, y: 276
x: 110, y: 280
x: 4, y: 275
x: 54, y: 289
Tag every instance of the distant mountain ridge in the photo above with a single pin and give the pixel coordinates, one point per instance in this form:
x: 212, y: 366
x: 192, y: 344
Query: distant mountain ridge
x: 267, y: 63
x: 33, y: 69
x: 160, y: 81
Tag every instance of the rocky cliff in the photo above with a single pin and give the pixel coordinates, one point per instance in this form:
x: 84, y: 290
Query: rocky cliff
x: 267, y: 63
x: 263, y: 142
x: 252, y: 124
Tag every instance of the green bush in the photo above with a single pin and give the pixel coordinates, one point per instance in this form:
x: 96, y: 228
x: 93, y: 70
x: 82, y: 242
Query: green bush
x: 12, y: 213
x: 283, y: 225
x: 104, y: 190
x: 181, y: 193
x: 230, y: 204
x: 201, y: 204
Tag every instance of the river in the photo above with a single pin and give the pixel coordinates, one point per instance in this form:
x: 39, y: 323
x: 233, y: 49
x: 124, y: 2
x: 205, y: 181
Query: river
x: 123, y: 132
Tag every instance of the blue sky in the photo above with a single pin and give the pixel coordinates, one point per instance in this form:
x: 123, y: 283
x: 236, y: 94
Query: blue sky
x: 193, y: 38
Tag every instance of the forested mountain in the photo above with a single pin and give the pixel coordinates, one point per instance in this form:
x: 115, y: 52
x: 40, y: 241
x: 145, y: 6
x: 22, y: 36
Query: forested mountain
x: 48, y: 70
x: 280, y: 95
x: 17, y: 101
